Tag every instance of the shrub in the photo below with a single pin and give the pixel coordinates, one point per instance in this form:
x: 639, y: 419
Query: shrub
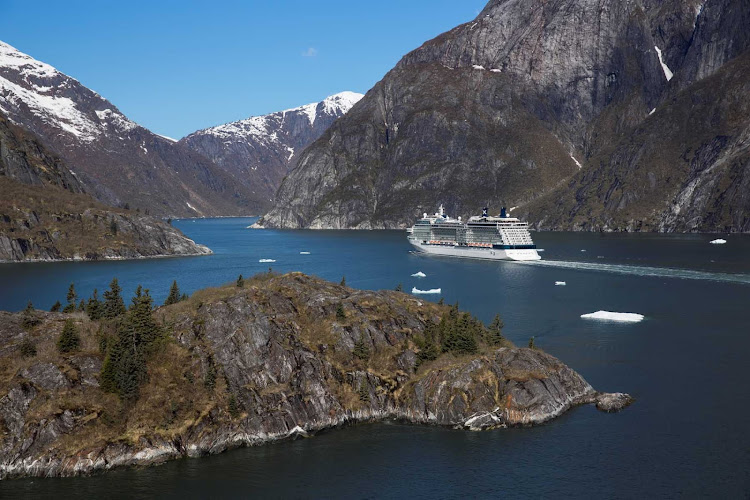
x: 27, y: 348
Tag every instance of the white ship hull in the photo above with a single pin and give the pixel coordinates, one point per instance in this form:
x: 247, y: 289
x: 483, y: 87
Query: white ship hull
x: 477, y: 252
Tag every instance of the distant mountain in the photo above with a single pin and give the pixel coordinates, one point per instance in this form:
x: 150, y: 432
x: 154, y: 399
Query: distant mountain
x: 261, y: 150
x: 45, y: 214
x: 117, y: 160
x: 583, y: 114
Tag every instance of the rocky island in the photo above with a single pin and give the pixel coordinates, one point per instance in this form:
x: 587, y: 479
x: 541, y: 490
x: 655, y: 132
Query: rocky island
x: 268, y: 358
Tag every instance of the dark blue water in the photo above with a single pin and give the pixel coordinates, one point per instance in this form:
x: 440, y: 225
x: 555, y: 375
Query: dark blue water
x: 687, y: 435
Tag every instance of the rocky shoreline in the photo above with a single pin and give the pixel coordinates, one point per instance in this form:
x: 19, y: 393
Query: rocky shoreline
x: 279, y: 358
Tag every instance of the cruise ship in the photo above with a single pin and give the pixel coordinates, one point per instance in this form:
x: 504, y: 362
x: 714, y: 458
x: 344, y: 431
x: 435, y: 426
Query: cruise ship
x: 498, y: 237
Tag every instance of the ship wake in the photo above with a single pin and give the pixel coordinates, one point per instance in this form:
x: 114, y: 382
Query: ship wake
x: 659, y: 272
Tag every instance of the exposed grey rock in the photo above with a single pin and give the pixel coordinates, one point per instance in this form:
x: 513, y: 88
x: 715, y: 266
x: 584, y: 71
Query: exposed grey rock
x: 278, y: 350
x: 46, y: 376
x: 535, y: 102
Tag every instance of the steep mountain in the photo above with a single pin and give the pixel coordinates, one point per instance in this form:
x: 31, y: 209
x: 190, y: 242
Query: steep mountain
x: 574, y: 111
x: 117, y: 160
x: 45, y: 214
x: 261, y: 150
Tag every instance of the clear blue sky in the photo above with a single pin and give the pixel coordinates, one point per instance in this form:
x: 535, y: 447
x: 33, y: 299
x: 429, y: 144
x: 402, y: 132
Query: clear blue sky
x: 179, y: 66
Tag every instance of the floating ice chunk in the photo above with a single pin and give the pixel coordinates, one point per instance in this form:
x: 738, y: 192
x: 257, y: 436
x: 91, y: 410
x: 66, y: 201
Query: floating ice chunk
x: 540, y: 249
x: 560, y: 283
x: 614, y: 316
x: 415, y: 290
x: 304, y: 253
x: 583, y: 250
x: 718, y: 241
x: 419, y: 274
x: 265, y: 261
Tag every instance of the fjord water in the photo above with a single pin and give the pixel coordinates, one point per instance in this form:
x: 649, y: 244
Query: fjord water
x: 686, y: 435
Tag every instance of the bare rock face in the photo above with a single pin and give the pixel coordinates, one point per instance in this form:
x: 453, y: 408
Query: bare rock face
x: 274, y: 360
x: 543, y: 106
x: 261, y: 150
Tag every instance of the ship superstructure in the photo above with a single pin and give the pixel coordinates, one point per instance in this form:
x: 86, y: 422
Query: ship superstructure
x: 498, y: 237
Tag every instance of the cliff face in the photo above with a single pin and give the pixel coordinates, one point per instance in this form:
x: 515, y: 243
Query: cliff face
x: 523, y: 104
x: 273, y: 360
x: 261, y: 150
x: 45, y: 214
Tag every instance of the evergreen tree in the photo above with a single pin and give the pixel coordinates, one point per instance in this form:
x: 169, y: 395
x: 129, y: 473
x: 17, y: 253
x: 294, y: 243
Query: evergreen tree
x: 174, y: 294
x: 441, y: 301
x: 184, y: 296
x: 400, y: 288
x: 495, y: 332
x: 69, y: 340
x: 234, y: 407
x: 71, y: 298
x: 114, y: 306
x: 29, y: 317
x: 364, y: 391
x: 240, y: 282
x: 340, y: 313
x: 124, y: 368
x: 429, y: 349
x: 27, y: 349
x: 531, y: 343
x: 361, y: 349
x: 82, y: 306
x: 94, y: 308
x: 343, y: 281
x: 55, y: 307
x: 113, y: 227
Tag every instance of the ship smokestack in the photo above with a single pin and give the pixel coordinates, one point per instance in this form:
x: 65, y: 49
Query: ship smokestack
x: 503, y: 213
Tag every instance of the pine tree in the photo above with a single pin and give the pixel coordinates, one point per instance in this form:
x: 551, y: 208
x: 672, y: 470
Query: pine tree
x: 364, y: 391
x: 361, y: 349
x: 184, y: 296
x: 71, y: 298
x: 82, y: 306
x: 429, y: 350
x: 240, y: 282
x: 69, y: 340
x: 340, y: 313
x: 29, y: 318
x: 124, y: 368
x: 400, y: 288
x: 55, y: 307
x: 495, y: 332
x: 94, y: 308
x: 343, y: 281
x: 531, y: 343
x: 174, y: 294
x: 113, y: 227
x: 114, y: 306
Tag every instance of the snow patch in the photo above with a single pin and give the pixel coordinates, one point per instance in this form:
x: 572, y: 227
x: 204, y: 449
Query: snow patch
x: 495, y: 70
x: 614, y: 316
x: 191, y: 207
x: 718, y: 241
x: 667, y: 72
x: 266, y: 261
x: 415, y: 290
x: 652, y: 112
x: 476, y: 66
x: 419, y: 274
x: 577, y: 162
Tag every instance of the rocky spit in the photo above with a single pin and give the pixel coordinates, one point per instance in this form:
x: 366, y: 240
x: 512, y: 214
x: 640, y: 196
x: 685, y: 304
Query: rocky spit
x: 281, y: 364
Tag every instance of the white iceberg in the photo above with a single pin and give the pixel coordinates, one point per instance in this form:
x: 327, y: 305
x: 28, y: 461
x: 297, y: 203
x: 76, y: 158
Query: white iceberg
x: 304, y: 253
x: 614, y: 316
x: 415, y: 290
x: 265, y: 261
x: 718, y: 241
x: 419, y: 274
x: 560, y: 283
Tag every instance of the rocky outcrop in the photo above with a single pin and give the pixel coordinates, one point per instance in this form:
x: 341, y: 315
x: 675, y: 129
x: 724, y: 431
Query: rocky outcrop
x: 117, y: 160
x: 274, y: 360
x: 558, y: 108
x: 45, y: 215
x: 261, y: 150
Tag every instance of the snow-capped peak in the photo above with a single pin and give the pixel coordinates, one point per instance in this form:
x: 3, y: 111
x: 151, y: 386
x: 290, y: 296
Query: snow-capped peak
x: 53, y: 98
